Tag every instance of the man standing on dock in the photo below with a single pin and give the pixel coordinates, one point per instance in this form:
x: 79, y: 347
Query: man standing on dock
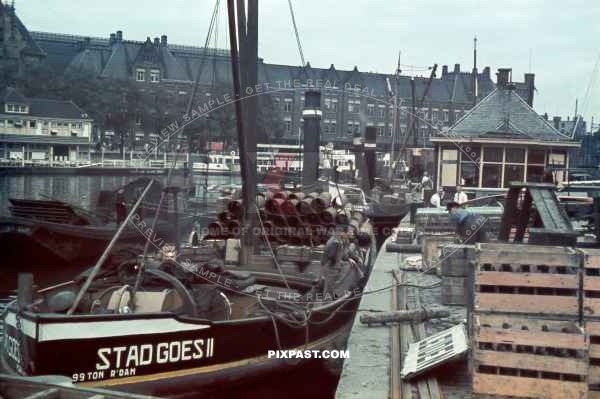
x: 471, y: 227
x: 120, y: 207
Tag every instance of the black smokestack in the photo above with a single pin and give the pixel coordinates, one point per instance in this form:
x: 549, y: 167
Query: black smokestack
x: 370, y: 156
x: 312, y: 137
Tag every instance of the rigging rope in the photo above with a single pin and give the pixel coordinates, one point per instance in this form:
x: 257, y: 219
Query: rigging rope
x: 296, y: 32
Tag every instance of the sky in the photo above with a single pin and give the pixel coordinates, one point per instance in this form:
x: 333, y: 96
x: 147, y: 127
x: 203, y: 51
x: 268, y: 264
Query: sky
x: 558, y: 41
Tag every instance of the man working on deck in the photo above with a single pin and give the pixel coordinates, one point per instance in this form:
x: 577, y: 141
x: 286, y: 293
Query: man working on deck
x: 436, y: 199
x: 471, y: 227
x: 460, y: 196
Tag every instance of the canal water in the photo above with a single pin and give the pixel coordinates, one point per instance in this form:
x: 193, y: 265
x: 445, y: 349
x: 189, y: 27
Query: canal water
x: 310, y: 381
x: 82, y: 192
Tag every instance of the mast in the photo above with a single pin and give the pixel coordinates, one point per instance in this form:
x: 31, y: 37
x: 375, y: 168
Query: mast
x: 475, y: 80
x: 395, y: 115
x: 244, y: 71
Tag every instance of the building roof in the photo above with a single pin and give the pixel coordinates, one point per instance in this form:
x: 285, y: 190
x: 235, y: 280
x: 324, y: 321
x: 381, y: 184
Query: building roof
x: 504, y: 114
x: 12, y: 96
x: 117, y: 58
x: 43, y: 108
x: 31, y: 47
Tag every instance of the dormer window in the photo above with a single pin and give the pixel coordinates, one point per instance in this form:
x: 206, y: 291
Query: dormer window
x: 17, y: 108
x: 140, y: 75
x: 154, y: 75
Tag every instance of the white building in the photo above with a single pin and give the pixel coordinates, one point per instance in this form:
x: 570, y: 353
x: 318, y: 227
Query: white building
x: 34, y: 129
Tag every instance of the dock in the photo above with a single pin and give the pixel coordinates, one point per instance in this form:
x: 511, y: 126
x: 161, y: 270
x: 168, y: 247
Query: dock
x: 377, y: 351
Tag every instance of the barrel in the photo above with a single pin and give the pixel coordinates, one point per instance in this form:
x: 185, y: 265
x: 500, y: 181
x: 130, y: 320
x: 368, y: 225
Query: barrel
x: 328, y: 215
x: 273, y: 205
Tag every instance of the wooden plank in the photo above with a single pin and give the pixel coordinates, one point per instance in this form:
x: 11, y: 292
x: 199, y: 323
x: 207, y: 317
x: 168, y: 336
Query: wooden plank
x: 528, y: 387
x: 591, y: 283
x: 536, y: 255
x: 519, y: 303
x: 395, y: 353
x: 528, y: 361
x: 594, y: 375
x: 594, y: 351
x: 592, y: 328
x: 517, y: 323
x: 528, y: 279
x: 536, y: 338
x: 591, y: 307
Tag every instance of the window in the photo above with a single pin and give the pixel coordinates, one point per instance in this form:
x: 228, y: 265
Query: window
x: 138, y: 121
x: 370, y: 109
x: 350, y: 129
x: 390, y: 130
x: 334, y: 104
x: 449, y: 167
x: 515, y: 155
x: 356, y: 127
x: 288, y: 126
x: 287, y: 105
x: 277, y: 102
x: 327, y: 103
x: 536, y: 157
x: 469, y: 166
x: 513, y: 173
x: 353, y: 105
x: 32, y: 124
x: 434, y: 115
x: 154, y: 75
x: 140, y: 75
x: 492, y: 154
x: 456, y: 115
x: 446, y: 115
x: 380, y: 130
x: 380, y: 112
x: 491, y: 175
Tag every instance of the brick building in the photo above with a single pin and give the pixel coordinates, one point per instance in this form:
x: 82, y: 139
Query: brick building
x: 351, y: 99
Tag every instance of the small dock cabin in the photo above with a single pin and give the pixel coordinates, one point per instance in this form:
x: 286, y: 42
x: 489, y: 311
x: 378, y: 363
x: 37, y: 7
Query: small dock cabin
x: 501, y: 139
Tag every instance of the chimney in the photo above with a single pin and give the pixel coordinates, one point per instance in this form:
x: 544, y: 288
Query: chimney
x: 156, y: 41
x: 312, y: 137
x: 444, y: 70
x: 556, y: 121
x: 456, y: 68
x: 486, y: 72
x: 163, y: 40
x: 370, y: 158
x: 113, y: 38
x: 530, y: 83
x: 503, y: 78
x: 119, y: 35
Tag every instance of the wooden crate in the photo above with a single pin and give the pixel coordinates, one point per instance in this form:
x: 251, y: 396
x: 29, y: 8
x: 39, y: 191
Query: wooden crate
x: 456, y: 259
x: 591, y: 283
x: 527, y: 279
x: 529, y: 357
x: 431, y: 249
x: 592, y: 330
x: 454, y: 290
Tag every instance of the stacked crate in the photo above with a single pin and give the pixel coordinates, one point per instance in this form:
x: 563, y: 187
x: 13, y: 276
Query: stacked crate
x: 527, y: 341
x: 456, y: 261
x: 591, y: 315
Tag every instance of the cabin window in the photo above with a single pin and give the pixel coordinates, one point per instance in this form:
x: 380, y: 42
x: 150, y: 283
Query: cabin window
x: 515, y: 155
x: 449, y: 167
x: 536, y: 160
x: 492, y: 175
x: 492, y: 154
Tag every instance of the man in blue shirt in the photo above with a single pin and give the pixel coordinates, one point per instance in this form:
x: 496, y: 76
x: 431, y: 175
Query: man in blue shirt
x: 471, y: 227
